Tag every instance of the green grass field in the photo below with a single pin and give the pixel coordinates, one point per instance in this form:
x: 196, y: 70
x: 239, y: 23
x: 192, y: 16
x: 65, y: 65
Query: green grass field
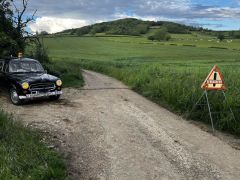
x: 24, y: 156
x: 169, y: 73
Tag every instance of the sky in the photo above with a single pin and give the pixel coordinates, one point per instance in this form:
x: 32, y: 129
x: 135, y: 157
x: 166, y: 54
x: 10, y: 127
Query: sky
x: 56, y: 15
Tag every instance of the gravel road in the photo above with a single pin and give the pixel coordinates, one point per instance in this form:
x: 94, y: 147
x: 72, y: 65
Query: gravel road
x: 107, y: 131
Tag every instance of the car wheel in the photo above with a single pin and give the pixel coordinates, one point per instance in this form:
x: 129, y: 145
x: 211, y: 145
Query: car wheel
x: 54, y: 98
x: 14, y: 97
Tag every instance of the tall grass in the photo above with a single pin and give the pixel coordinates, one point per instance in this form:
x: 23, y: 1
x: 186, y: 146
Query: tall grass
x: 178, y: 89
x: 168, y: 75
x: 70, y: 73
x: 23, y: 156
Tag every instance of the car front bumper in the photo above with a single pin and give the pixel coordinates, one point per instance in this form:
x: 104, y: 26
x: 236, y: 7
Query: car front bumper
x: 40, y: 95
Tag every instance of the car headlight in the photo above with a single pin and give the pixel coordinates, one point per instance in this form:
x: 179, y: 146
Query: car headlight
x: 25, y: 85
x: 59, y: 82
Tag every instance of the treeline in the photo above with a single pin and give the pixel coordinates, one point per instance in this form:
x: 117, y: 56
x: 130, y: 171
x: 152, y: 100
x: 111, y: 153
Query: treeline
x: 234, y: 34
x: 129, y: 26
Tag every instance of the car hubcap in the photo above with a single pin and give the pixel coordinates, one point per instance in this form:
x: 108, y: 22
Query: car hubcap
x: 14, y: 97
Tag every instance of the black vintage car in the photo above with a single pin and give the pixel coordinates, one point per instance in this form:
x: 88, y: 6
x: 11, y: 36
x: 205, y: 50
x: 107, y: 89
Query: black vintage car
x: 25, y: 79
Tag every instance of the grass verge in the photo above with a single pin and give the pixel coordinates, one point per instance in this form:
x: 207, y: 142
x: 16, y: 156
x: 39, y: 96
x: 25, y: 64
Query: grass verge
x: 70, y: 73
x: 177, y: 89
x: 23, y: 156
x: 170, y: 75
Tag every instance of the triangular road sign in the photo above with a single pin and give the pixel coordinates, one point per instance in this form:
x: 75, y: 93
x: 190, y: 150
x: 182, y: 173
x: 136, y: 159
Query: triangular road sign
x: 214, y: 80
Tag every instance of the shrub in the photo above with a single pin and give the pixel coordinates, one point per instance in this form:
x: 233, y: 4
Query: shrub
x: 221, y: 37
x: 161, y: 35
x: 151, y: 38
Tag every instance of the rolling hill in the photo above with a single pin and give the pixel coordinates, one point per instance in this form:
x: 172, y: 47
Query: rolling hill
x: 130, y: 26
x: 136, y: 27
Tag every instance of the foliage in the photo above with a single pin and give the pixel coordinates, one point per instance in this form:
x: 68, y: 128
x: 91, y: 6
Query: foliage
x: 39, y: 52
x: 221, y: 37
x: 8, y: 35
x: 43, y: 33
x: 129, y: 26
x: 8, y: 45
x: 234, y: 34
x: 70, y: 73
x: 23, y: 156
x: 151, y: 38
x: 13, y: 27
x: 177, y: 28
x: 161, y: 35
x: 82, y: 31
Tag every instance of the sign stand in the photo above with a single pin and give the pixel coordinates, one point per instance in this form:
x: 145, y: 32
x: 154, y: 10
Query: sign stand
x: 213, y: 82
x: 205, y: 95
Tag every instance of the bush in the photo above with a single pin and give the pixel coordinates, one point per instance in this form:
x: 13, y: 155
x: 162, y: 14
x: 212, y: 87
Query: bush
x: 70, y: 73
x: 221, y: 37
x: 41, y: 54
x: 7, y: 46
x: 151, y: 38
x: 82, y: 31
x: 160, y: 35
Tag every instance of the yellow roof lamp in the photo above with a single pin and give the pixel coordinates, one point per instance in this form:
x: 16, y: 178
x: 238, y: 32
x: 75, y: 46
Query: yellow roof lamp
x: 20, y: 55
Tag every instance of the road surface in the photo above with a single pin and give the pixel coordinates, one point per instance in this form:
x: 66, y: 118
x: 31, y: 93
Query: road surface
x: 107, y: 131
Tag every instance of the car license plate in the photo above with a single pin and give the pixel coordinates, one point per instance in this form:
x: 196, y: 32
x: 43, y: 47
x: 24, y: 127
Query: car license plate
x: 38, y: 94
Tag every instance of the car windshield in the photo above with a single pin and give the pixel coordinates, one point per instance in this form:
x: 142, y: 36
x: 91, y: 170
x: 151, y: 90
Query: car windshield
x: 25, y: 67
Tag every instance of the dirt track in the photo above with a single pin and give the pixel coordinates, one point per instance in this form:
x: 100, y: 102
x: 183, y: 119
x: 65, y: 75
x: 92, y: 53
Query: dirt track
x: 109, y: 132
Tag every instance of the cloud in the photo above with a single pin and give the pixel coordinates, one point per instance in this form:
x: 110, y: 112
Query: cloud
x: 53, y: 24
x: 104, y: 10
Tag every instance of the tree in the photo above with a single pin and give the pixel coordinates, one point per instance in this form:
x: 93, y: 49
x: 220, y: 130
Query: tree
x: 161, y: 35
x: 21, y: 21
x: 44, y: 33
x: 13, y: 23
x: 151, y: 38
x: 8, y: 33
x: 221, y: 37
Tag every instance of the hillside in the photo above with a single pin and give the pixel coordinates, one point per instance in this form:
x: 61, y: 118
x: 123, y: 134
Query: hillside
x: 135, y: 27
x: 130, y: 26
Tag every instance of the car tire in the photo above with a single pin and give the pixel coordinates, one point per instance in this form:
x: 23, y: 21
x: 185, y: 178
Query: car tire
x: 14, y: 97
x: 54, y: 98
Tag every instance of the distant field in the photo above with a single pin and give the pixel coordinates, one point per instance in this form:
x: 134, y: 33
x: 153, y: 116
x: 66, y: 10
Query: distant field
x: 169, y: 73
x: 112, y: 48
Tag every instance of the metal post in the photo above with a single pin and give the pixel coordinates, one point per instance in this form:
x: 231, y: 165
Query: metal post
x: 228, y: 105
x: 209, y: 109
x: 196, y: 104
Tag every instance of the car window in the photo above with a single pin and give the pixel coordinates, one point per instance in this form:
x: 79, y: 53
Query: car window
x: 25, y: 66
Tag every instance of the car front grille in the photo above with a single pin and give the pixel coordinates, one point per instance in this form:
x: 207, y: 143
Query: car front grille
x: 42, y: 86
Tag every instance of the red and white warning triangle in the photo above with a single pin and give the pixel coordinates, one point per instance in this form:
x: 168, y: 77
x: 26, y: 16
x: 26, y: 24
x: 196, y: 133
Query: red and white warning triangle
x: 214, y: 80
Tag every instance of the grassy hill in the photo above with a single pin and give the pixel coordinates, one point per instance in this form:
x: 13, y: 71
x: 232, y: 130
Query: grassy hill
x: 135, y: 27
x: 129, y: 26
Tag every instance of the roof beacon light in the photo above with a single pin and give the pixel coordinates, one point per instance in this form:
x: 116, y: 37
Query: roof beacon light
x: 20, y: 55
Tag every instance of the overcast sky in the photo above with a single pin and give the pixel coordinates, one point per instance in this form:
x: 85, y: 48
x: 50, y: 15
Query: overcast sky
x: 57, y: 15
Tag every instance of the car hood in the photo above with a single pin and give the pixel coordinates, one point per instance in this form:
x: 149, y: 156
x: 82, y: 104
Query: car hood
x: 33, y: 78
